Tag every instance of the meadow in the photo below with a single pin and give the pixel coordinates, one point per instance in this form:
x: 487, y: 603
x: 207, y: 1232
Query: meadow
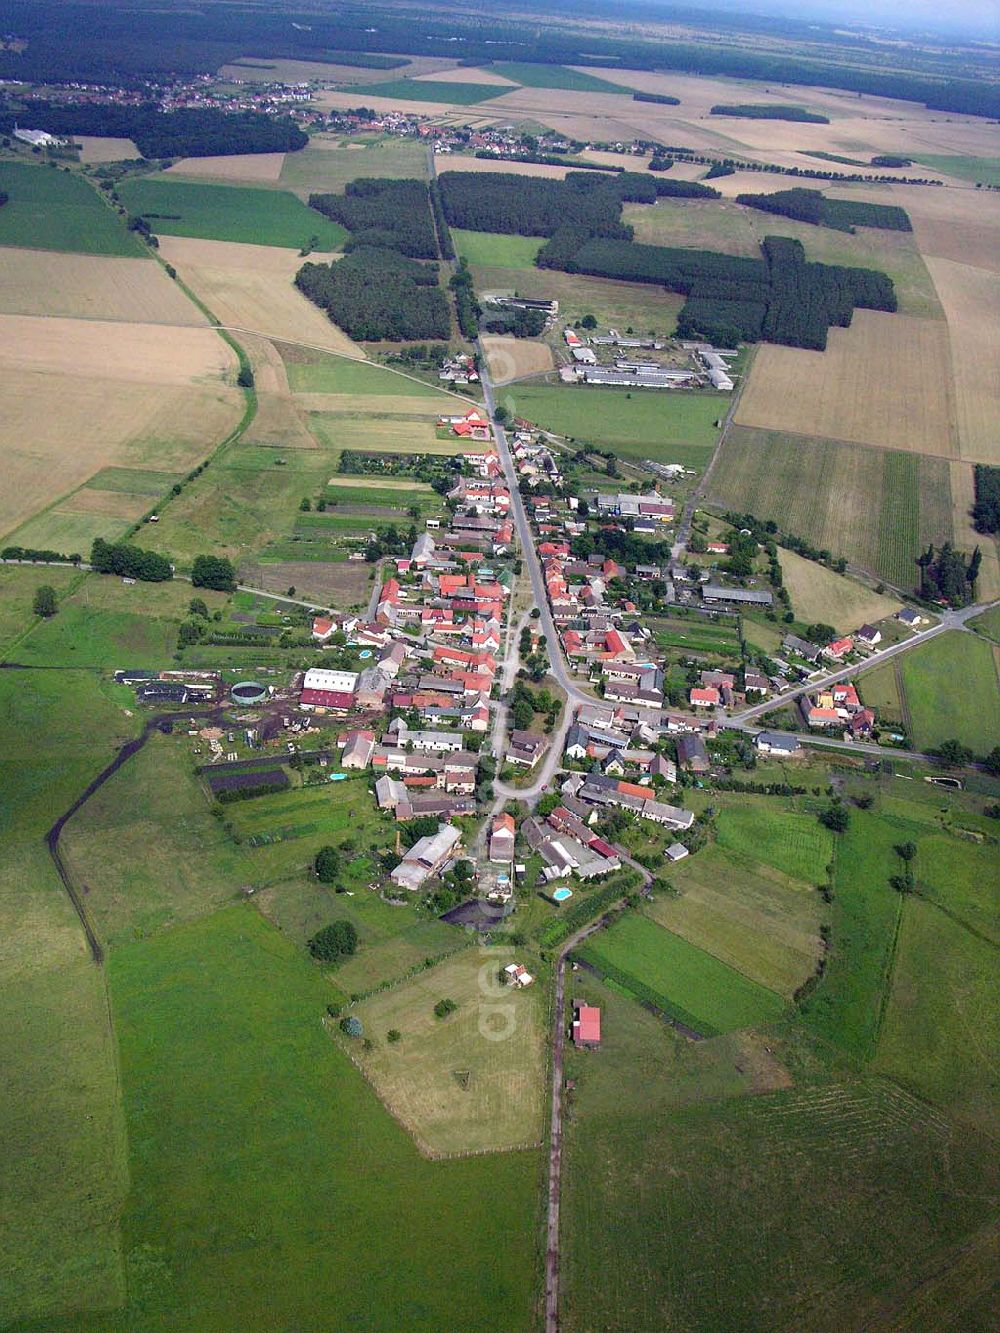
x: 484, y: 247
x: 339, y: 375
x: 429, y: 90
x: 619, y: 305
x: 755, y: 919
x: 885, y: 381
x: 48, y: 209
x: 473, y: 1080
x: 669, y: 427
x: 228, y: 213
x: 976, y: 169
x: 952, y: 692
x: 818, y: 594
x: 218, y: 1079
x: 877, y: 508
x: 696, y: 635
x: 327, y: 164
x: 758, y: 827
x: 689, y: 984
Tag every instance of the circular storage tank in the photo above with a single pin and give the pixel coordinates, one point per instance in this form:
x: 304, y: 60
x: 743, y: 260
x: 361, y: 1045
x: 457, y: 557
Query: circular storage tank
x: 248, y: 692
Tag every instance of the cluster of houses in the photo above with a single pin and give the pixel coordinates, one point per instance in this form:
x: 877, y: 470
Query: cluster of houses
x: 838, y: 708
x: 706, y: 365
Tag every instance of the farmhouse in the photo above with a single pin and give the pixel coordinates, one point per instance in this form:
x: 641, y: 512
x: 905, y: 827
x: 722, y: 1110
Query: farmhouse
x: 502, y: 839
x: 586, y: 1026
x: 329, y: 689
x: 692, y: 754
x: 426, y: 857
x: 714, y: 592
x: 869, y: 635
x: 773, y: 742
x: 910, y: 618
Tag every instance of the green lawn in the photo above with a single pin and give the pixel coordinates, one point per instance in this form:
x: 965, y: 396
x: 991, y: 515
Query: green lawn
x: 697, y: 988
x: 427, y: 90
x: 49, y: 209
x: 758, y: 827
x: 667, y: 426
x: 679, y: 632
x: 988, y: 624
x: 228, y: 212
x: 952, y: 692
x: 847, y: 1006
x: 267, y: 1182
x: 333, y: 374
x: 555, y: 76
x: 484, y: 247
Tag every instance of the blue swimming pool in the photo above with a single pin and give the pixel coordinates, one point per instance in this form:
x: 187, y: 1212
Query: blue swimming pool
x: 560, y: 895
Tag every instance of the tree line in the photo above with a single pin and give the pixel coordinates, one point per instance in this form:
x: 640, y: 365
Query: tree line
x: 764, y: 111
x: 662, y: 99
x: 841, y: 214
x: 986, y: 510
x: 129, y: 562
x: 187, y: 132
x: 377, y: 294
x: 395, y: 214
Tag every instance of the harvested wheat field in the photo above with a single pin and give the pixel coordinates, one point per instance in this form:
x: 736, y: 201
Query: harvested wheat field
x: 462, y: 74
x: 260, y: 168
x: 456, y: 162
x: 885, y: 381
x: 45, y: 282
x: 818, y: 594
x: 96, y: 148
x: 251, y: 287
x: 966, y: 538
x: 958, y: 222
x: 277, y: 422
x: 511, y: 358
x: 417, y: 406
x: 971, y: 300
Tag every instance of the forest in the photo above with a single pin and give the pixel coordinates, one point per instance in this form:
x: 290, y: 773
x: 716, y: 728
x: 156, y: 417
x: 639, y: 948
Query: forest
x: 130, y: 562
x: 764, y: 111
x: 986, y: 510
x: 945, y: 573
x: 840, y: 214
x: 662, y: 98
x: 531, y: 206
x: 377, y: 294
x: 130, y: 45
x: 188, y: 132
x: 394, y: 214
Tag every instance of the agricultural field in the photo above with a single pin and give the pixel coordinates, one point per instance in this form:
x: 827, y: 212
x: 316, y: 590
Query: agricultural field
x: 818, y: 594
x: 514, y: 358
x: 77, y: 396
x: 228, y: 213
x: 91, y: 287
x: 757, y: 920
x: 217, y: 1079
x: 976, y: 169
x: 885, y: 381
x: 252, y: 287
x: 702, y: 224
x: 952, y: 692
x: 58, y: 210
x: 619, y: 305
x: 473, y: 1080
x: 490, y: 248
x: 328, y: 163
x: 971, y: 299
x: 875, y: 507
x: 554, y: 76
x: 98, y: 148
x: 670, y: 427
x: 429, y: 90
x: 759, y: 828
x: 881, y: 689
x: 312, y: 373
x: 686, y: 982
x: 255, y: 168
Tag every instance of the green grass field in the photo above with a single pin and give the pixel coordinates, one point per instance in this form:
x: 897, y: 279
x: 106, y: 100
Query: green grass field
x: 880, y: 690
x: 18, y: 584
x: 71, y: 533
x: 228, y: 212
x: 696, y: 635
x: 133, y: 481
x: 697, y: 988
x: 333, y: 374
x: 758, y: 827
x: 757, y: 920
x: 427, y: 90
x: 952, y: 692
x: 555, y: 76
x: 663, y: 425
x: 485, y: 247
x: 323, y: 166
x: 48, y: 209
x: 257, y: 1153
x: 988, y: 624
x: 984, y: 169
x: 876, y: 507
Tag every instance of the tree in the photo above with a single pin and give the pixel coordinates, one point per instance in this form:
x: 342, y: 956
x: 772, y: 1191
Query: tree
x: 245, y: 378
x: 351, y: 1026
x: 305, y: 504
x: 197, y: 607
x: 835, y: 817
x: 327, y: 864
x: 955, y: 754
x: 821, y: 634
x: 906, y: 851
x: 992, y: 762
x: 190, y: 632
x: 337, y: 940
x: 444, y: 1007
x: 45, y: 604
x: 588, y: 322
x: 393, y: 1035
x: 213, y: 571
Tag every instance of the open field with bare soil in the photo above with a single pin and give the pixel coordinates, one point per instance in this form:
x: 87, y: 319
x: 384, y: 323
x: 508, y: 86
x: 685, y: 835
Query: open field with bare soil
x: 44, y: 282
x: 971, y: 299
x: 876, y: 507
x: 260, y: 168
x: 818, y: 594
x: 96, y: 148
x: 251, y: 287
x: 510, y: 358
x: 885, y: 381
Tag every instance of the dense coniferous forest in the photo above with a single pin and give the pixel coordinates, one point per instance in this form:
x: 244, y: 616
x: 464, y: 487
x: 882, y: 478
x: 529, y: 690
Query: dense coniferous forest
x: 841, y: 214
x: 446, y: 246
x: 129, y: 45
x: 530, y: 206
x: 395, y: 214
x: 188, y: 132
x: 377, y: 294
x: 986, y: 510
x: 763, y: 111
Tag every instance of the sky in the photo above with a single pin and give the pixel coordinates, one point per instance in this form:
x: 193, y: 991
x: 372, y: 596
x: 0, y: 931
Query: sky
x: 979, y: 19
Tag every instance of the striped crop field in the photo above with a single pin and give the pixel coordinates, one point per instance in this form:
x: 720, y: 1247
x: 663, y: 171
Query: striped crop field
x: 877, y: 508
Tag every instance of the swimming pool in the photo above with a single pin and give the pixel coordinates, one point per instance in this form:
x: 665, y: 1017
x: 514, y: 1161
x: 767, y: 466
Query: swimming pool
x: 560, y: 895
x: 365, y: 652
